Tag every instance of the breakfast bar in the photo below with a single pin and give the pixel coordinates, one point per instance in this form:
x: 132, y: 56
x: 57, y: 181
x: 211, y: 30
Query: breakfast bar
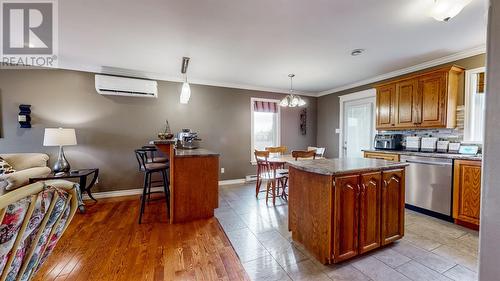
x: 194, y: 182
x: 341, y: 208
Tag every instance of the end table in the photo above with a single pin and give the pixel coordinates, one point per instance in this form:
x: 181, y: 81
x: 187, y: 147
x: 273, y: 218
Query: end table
x: 73, y: 174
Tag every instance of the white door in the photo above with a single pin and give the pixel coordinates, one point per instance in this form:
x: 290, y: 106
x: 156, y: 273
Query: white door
x: 358, y: 126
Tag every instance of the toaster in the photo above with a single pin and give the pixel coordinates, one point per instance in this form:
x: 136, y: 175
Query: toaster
x: 413, y: 143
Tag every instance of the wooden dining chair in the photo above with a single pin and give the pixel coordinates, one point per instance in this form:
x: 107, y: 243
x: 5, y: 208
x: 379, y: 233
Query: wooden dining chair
x: 304, y: 154
x: 282, y: 150
x: 320, y: 151
x: 266, y: 171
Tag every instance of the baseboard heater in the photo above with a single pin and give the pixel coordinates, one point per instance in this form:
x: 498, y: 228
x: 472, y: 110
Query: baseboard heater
x: 251, y: 178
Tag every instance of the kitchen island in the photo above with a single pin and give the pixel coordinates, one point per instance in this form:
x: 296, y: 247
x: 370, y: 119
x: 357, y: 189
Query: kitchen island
x: 340, y: 208
x: 194, y: 182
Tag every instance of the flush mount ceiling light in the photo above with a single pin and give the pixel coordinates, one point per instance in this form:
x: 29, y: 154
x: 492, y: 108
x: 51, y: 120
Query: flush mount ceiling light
x: 357, y: 52
x: 186, y: 89
x: 444, y: 10
x: 292, y: 100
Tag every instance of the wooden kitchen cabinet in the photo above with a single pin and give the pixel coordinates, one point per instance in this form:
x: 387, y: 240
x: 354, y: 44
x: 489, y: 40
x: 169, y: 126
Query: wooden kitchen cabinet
x: 467, y: 192
x: 406, y: 96
x: 386, y: 101
x: 346, y: 217
x: 382, y: 156
x: 392, y: 205
x: 369, y: 212
x: 425, y: 100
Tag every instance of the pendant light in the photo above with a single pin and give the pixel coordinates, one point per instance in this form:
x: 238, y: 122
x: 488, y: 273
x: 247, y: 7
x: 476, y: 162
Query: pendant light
x: 444, y: 10
x: 186, y: 89
x: 292, y: 100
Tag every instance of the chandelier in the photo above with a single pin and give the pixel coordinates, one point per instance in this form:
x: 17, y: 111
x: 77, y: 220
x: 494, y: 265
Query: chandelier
x: 292, y: 100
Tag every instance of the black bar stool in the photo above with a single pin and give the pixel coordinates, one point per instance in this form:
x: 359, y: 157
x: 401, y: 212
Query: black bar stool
x: 152, y: 154
x: 149, y: 168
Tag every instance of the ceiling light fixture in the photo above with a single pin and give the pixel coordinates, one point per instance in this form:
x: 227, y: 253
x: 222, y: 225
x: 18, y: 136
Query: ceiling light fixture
x: 292, y: 100
x: 186, y: 89
x: 444, y: 10
x: 357, y: 52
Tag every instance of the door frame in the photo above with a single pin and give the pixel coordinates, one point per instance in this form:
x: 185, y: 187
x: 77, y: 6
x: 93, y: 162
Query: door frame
x: 361, y: 95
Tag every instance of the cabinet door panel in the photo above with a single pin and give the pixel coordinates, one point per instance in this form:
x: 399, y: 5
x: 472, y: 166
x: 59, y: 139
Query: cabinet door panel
x: 467, y: 191
x: 393, y: 201
x: 386, y: 98
x: 369, y: 212
x: 346, y: 218
x: 406, y: 93
x: 431, y: 102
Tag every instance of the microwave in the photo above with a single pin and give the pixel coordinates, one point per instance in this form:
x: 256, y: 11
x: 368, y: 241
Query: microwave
x: 388, y: 141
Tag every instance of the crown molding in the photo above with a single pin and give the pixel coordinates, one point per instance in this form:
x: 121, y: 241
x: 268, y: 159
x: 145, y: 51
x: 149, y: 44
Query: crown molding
x: 163, y: 77
x: 447, y: 59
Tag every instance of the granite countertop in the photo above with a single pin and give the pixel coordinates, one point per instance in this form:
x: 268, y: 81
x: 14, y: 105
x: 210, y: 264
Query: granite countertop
x: 197, y: 152
x: 170, y: 141
x: 342, y: 166
x: 478, y: 157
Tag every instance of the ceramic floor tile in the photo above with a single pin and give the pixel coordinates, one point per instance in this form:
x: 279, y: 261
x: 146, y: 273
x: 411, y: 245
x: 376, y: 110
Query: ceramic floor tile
x: 424, y: 257
x: 460, y: 257
x: 377, y: 270
x: 246, y: 245
x: 289, y: 256
x: 421, y: 241
x: 265, y: 269
x: 345, y: 272
x: 461, y: 273
x: 305, y: 270
x: 418, y: 272
x: 259, y: 234
x: 390, y: 257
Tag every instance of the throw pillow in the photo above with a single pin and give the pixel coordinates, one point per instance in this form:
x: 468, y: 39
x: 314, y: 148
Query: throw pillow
x: 5, y: 168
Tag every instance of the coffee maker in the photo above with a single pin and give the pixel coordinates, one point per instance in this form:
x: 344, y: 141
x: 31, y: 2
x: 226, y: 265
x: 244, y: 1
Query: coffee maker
x: 188, y: 139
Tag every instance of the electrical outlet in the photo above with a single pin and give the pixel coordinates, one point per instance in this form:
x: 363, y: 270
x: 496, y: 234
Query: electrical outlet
x: 222, y: 170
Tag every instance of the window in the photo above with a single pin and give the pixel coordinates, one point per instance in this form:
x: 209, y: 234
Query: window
x: 265, y: 128
x: 474, y: 105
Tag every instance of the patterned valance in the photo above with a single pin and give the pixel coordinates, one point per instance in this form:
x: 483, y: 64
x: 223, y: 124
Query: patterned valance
x: 265, y: 106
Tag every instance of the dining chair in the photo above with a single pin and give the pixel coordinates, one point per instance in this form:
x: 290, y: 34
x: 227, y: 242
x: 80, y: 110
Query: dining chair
x: 150, y: 168
x: 266, y: 171
x: 296, y: 154
x: 277, y: 149
x: 320, y: 151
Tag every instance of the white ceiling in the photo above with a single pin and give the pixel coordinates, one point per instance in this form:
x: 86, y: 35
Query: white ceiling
x: 255, y: 44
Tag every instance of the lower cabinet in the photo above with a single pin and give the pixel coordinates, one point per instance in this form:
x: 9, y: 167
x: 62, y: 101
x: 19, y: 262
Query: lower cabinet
x: 381, y: 156
x: 368, y: 212
x: 393, y: 206
x: 467, y: 192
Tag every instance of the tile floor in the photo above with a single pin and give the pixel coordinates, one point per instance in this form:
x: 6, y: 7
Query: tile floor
x: 431, y: 249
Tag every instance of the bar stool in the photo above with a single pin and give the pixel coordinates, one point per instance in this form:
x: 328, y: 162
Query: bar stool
x: 152, y: 157
x: 149, y: 168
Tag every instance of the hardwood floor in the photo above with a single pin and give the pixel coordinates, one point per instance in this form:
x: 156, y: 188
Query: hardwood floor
x: 106, y: 243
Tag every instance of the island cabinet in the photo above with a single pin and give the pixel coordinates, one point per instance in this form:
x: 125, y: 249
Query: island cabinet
x: 337, y: 217
x: 467, y: 193
x: 425, y: 100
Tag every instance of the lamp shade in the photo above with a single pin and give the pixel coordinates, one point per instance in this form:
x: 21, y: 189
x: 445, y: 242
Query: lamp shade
x: 59, y: 137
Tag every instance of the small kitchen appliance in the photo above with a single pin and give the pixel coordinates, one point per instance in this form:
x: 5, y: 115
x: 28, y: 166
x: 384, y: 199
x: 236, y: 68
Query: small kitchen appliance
x: 428, y: 144
x: 454, y: 147
x: 187, y: 139
x: 413, y: 143
x: 442, y: 146
x: 388, y: 141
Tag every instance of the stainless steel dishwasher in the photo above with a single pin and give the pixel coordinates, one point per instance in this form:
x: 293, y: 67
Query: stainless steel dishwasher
x: 429, y: 183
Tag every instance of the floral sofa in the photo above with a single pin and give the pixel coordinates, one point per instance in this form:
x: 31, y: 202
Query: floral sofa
x: 33, y: 218
x: 22, y: 167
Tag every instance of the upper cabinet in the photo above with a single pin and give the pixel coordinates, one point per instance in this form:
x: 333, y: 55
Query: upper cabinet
x: 426, y: 100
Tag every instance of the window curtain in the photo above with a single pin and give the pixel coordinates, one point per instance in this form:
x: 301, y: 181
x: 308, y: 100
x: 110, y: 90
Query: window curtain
x: 265, y: 106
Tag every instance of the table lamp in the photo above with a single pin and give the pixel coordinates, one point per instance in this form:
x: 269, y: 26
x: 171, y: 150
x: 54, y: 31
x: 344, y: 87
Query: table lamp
x: 60, y: 137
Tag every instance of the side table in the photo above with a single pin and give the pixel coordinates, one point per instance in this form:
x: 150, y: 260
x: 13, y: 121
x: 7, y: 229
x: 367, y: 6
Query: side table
x: 82, y: 175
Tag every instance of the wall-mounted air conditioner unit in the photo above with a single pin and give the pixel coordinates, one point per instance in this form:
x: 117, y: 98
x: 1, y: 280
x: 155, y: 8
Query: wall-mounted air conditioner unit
x: 122, y: 86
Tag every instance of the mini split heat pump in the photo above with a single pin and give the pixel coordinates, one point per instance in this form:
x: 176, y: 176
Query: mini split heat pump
x: 123, y: 86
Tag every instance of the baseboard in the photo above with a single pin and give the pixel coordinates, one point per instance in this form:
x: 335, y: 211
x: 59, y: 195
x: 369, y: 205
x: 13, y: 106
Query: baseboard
x: 138, y: 191
x: 228, y: 182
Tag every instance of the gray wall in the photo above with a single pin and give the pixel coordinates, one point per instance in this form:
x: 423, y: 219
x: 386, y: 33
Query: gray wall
x: 109, y: 128
x: 329, y: 107
x: 489, y: 252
